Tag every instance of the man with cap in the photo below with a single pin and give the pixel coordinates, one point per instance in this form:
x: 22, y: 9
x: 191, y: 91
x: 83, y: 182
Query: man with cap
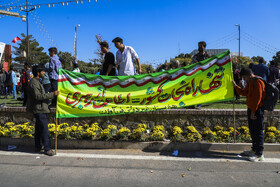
x: 37, y: 104
x: 125, y: 58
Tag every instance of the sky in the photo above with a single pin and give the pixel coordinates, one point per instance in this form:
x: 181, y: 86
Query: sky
x: 157, y: 29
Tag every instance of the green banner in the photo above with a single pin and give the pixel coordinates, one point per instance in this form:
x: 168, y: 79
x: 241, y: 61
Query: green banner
x: 87, y: 95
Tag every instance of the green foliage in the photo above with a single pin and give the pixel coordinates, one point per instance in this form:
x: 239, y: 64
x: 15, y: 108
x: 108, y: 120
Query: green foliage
x: 147, y: 68
x: 66, y: 60
x: 256, y: 59
x: 36, y: 54
x: 276, y: 58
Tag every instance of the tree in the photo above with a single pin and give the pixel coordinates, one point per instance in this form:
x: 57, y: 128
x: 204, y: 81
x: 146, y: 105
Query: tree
x: 36, y: 54
x: 146, y: 68
x: 256, y: 58
x: 65, y: 58
x: 98, y: 52
x: 276, y: 58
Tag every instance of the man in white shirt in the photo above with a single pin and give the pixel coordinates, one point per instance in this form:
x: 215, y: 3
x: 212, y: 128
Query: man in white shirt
x: 125, y: 57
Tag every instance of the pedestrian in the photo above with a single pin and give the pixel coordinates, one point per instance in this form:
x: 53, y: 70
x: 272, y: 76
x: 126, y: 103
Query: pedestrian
x: 273, y: 73
x: 108, y: 66
x: 261, y: 69
x: 13, y: 82
x: 28, y: 76
x: 46, y: 80
x: 202, y: 54
x: 55, y: 64
x: 2, y: 81
x: 125, y: 58
x: 255, y: 94
x: 7, y: 84
x: 37, y: 104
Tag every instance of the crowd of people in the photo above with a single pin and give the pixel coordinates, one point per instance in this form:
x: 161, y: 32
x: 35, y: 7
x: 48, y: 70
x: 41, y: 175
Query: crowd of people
x: 39, y: 86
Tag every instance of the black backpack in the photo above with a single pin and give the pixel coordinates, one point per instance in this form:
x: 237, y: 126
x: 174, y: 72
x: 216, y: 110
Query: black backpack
x: 272, y: 95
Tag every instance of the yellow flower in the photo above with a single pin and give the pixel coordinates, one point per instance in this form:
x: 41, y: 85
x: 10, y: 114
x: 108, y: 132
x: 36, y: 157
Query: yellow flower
x: 142, y: 126
x: 270, y: 134
x: 218, y: 128
x: 159, y: 128
x: 113, y: 127
x: 191, y: 129
x: 176, y: 130
x: 123, y: 130
x: 271, y: 129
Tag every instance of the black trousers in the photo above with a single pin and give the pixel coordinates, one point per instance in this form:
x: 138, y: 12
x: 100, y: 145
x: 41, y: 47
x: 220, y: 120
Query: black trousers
x: 256, y: 131
x: 42, y: 132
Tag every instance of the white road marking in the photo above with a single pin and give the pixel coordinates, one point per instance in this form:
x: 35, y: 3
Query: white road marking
x: 140, y: 157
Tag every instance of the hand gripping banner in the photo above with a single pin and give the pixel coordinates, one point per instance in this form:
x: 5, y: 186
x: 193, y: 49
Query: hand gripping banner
x: 87, y: 95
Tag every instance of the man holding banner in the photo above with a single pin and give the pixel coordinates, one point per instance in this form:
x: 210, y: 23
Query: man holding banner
x: 37, y: 104
x: 125, y: 58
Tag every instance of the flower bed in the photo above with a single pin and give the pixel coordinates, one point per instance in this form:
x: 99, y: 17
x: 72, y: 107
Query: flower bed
x: 141, y: 133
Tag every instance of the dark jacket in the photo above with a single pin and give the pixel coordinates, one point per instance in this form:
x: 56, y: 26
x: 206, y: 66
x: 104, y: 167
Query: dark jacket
x: 37, y: 100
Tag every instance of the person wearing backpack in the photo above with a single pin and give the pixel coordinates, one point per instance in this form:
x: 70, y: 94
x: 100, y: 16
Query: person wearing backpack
x: 255, y: 93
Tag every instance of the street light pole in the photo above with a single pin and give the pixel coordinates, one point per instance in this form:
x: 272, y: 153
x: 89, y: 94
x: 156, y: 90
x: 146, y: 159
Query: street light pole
x: 239, y: 62
x: 27, y: 32
x: 75, y: 45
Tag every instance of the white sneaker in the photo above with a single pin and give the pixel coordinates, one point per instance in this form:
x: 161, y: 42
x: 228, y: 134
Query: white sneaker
x: 256, y: 158
x: 249, y: 153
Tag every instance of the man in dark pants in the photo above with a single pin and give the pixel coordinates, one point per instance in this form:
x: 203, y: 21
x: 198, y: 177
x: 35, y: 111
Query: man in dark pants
x: 255, y: 93
x: 55, y: 64
x: 28, y: 76
x: 37, y: 104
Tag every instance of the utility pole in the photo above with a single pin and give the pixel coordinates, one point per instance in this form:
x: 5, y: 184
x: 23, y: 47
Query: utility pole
x: 239, y: 62
x: 27, y: 31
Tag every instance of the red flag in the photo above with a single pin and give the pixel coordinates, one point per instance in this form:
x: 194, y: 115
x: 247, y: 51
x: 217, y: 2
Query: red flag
x: 16, y: 39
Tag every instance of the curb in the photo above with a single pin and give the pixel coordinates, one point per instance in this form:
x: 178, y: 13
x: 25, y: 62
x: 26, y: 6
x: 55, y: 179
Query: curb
x: 145, y: 146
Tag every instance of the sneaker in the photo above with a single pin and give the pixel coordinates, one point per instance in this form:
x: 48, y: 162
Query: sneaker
x: 256, y: 158
x: 49, y: 152
x: 249, y: 153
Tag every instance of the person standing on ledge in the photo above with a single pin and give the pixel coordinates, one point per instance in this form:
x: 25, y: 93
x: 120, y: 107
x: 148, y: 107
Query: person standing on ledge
x: 125, y: 58
x: 255, y: 94
x: 37, y: 104
x: 55, y: 64
x: 108, y: 66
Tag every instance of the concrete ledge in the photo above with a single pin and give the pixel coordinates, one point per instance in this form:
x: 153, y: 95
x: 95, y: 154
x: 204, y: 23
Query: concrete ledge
x: 145, y: 146
x: 238, y: 112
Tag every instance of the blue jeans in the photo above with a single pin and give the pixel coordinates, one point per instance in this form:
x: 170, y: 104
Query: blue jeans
x: 256, y: 131
x: 15, y: 91
x: 42, y: 132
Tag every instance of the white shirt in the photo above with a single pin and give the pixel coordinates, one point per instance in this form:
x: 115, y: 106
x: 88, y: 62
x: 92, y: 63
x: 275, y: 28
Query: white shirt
x: 76, y: 70
x: 125, y: 61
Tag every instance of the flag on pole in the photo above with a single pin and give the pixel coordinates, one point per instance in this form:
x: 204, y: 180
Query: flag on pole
x: 16, y: 39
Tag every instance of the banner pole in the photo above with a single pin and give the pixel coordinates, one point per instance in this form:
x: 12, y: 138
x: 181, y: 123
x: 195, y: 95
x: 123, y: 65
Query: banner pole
x: 55, y: 135
x: 234, y: 126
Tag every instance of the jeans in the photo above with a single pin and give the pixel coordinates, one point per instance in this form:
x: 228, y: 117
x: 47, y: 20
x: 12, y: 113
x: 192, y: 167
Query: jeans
x: 256, y: 131
x: 53, y: 88
x: 15, y: 91
x: 42, y: 132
